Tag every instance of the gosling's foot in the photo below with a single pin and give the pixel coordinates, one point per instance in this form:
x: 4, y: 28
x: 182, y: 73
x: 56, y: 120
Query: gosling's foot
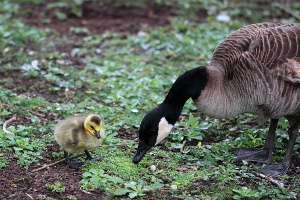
x: 260, y: 155
x: 89, y: 157
x: 276, y: 169
x: 74, y: 164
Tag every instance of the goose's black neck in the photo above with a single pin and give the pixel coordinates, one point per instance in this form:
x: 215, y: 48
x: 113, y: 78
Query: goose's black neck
x: 188, y: 85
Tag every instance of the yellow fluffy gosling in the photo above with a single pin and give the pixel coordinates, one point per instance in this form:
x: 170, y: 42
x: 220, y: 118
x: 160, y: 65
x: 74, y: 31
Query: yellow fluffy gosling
x: 79, y: 133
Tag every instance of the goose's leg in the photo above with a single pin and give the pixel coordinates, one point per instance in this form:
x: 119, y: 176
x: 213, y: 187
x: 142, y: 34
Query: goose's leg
x: 74, y: 164
x: 277, y: 169
x: 260, y: 155
x: 89, y: 157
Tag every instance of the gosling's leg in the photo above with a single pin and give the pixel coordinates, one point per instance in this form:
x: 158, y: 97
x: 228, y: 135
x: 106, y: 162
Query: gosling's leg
x: 278, y: 169
x: 89, y: 157
x: 260, y: 155
x: 74, y: 164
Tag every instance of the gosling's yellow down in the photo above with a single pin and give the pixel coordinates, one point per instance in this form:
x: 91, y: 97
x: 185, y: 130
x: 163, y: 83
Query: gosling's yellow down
x: 79, y: 133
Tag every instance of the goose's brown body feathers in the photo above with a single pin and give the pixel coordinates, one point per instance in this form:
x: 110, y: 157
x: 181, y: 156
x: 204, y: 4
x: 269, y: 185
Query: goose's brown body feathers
x: 275, y: 47
x: 258, y: 65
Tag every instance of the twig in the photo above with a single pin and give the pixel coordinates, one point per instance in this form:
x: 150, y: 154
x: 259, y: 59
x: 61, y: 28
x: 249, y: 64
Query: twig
x: 269, y: 178
x: 183, y: 144
x: 278, y: 5
x: 29, y: 196
x: 6, y: 123
x: 46, y: 166
x: 86, y: 192
x: 59, y: 161
x: 37, y: 114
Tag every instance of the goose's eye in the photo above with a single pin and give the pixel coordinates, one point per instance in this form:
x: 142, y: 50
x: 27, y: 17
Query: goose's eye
x: 92, y: 127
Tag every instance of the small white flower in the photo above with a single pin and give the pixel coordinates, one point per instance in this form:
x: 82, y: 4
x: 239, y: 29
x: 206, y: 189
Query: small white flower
x: 152, y: 168
x: 174, y: 187
x: 223, y: 17
x: 245, y: 162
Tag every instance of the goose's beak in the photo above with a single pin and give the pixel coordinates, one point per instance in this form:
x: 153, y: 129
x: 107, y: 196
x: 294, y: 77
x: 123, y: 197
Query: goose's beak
x: 97, y: 134
x: 141, y: 151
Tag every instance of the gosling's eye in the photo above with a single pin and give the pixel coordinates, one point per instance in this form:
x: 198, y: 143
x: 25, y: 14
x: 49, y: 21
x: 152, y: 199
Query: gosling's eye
x: 92, y: 127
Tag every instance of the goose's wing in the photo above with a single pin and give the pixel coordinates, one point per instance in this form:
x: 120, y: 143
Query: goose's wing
x: 278, y: 49
x: 271, y: 46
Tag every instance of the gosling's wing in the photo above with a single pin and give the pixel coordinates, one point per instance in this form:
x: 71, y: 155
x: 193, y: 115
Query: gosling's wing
x: 67, y: 132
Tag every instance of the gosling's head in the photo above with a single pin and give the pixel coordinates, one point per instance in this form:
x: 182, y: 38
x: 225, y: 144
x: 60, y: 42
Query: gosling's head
x: 93, y: 125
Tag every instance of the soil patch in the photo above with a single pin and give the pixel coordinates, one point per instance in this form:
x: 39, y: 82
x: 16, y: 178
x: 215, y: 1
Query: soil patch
x: 19, y: 183
x: 98, y: 17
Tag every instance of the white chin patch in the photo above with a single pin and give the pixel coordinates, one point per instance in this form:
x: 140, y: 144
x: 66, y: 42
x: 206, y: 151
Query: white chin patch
x: 164, y: 128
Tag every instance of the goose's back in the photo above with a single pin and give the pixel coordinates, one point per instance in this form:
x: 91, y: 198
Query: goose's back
x: 266, y: 46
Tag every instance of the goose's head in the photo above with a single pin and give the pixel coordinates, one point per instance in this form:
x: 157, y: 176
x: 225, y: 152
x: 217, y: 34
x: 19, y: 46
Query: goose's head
x: 92, y: 125
x: 158, y: 123
x: 154, y: 127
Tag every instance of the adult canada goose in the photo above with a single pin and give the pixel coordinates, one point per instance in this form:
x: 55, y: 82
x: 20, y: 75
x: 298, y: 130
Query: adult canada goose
x: 79, y: 133
x: 254, y: 70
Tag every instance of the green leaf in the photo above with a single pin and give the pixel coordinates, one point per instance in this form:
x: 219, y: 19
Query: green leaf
x: 94, y: 171
x: 95, y: 180
x: 35, y: 119
x: 131, y: 185
x: 133, y: 194
x: 121, y: 191
x: 18, y: 148
x: 86, y: 174
x: 157, y: 186
x: 116, y: 180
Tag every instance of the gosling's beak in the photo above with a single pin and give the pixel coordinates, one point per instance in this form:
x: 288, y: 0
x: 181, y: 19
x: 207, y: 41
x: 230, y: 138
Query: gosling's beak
x: 97, y: 134
x: 141, y: 151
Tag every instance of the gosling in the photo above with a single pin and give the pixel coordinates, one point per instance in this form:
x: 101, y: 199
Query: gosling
x: 79, y: 133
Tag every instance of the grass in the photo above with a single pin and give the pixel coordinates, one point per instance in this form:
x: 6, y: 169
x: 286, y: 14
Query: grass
x: 122, y: 79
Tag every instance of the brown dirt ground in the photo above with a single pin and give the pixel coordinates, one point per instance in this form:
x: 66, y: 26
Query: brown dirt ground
x: 101, y: 18
x: 15, y: 181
